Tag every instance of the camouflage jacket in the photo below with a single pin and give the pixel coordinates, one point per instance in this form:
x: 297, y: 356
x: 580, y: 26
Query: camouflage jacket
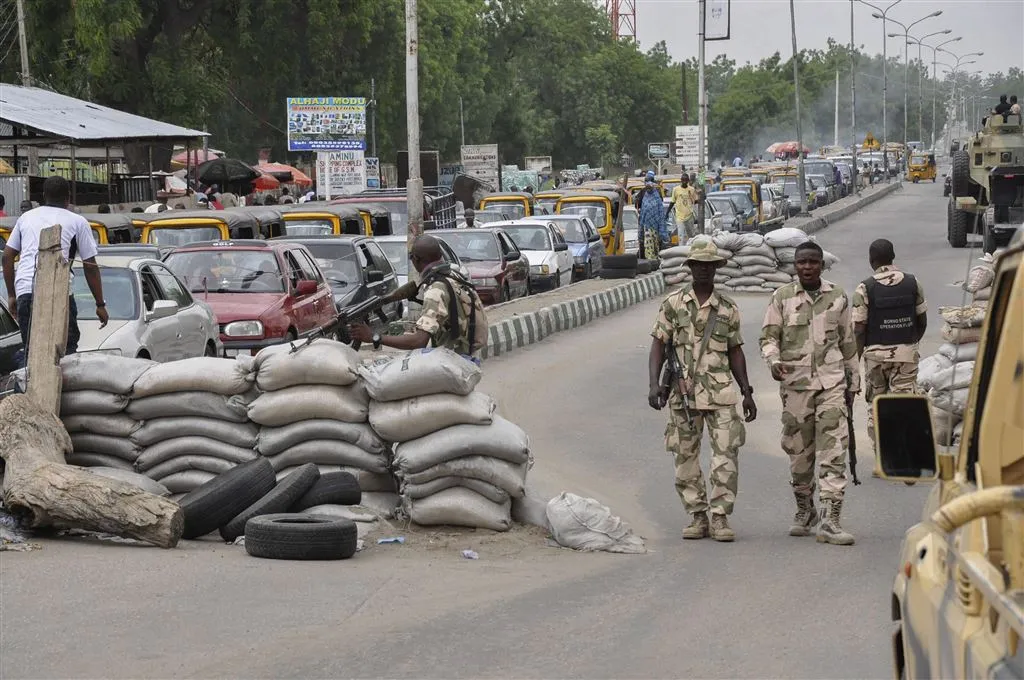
x: 681, y: 321
x: 887, y: 276
x: 813, y: 339
x: 434, y: 319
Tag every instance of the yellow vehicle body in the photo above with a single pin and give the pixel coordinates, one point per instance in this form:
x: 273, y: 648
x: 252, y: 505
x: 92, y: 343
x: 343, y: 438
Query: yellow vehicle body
x: 634, y: 186
x: 667, y: 184
x: 735, y: 172
x: 546, y: 200
x: 110, y: 228
x: 317, y: 220
x: 958, y: 596
x: 182, y: 227
x: 515, y: 204
x: 921, y: 167
x: 748, y: 184
x: 603, y: 209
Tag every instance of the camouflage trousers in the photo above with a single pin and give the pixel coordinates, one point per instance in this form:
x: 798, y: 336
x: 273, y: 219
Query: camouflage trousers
x: 727, y: 434
x: 886, y: 377
x: 814, y: 430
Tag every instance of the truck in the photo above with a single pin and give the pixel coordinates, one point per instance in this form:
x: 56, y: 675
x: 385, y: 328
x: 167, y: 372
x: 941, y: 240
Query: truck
x: 988, y: 184
x: 958, y: 594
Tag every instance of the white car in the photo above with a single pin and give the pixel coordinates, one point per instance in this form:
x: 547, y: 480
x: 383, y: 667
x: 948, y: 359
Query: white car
x: 152, y: 314
x: 396, y: 249
x: 544, y: 247
x: 631, y: 229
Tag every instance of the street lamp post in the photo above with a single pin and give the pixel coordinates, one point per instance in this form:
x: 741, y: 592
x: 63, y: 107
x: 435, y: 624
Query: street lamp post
x: 906, y: 72
x: 920, y: 80
x: 954, y: 68
x: 880, y: 14
x: 799, y: 128
x: 935, y: 88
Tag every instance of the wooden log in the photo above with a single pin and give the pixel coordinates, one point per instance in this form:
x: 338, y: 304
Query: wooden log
x: 37, y: 481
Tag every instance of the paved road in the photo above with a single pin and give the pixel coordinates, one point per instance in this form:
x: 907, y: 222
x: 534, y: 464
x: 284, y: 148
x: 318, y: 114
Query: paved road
x: 766, y: 606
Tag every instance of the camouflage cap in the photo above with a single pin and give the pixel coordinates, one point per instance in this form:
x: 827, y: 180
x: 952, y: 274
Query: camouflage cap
x: 704, y: 250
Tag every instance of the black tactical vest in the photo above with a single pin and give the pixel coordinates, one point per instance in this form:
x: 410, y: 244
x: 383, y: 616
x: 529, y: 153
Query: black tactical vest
x: 892, y: 319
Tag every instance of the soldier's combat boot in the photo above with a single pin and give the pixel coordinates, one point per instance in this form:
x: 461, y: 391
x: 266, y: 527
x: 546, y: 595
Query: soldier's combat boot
x: 805, y: 517
x: 720, y: 530
x: 830, y: 531
x: 698, y: 527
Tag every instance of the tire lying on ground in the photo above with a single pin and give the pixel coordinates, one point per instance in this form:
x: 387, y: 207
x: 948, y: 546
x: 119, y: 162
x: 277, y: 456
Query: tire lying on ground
x: 213, y: 504
x: 333, y: 488
x: 290, y: 536
x: 618, y: 274
x: 618, y: 262
x: 647, y: 266
x: 277, y: 500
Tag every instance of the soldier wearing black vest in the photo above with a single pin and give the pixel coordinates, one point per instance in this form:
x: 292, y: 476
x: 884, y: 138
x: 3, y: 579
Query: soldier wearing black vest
x: 890, y: 318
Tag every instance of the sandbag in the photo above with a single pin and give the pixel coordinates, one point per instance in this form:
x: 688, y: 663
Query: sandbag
x: 586, y: 524
x: 400, y: 421
x: 157, y: 430
x: 356, y: 513
x: 226, y: 377
x: 754, y: 289
x: 672, y: 262
x: 750, y: 260
x: 772, y: 285
x: 458, y: 506
x: 777, y: 277
x: 368, y: 481
x: 500, y: 473
x: 418, y: 374
x: 500, y: 439
x: 788, y: 269
x: 274, y: 440
x: 674, y: 269
x: 943, y: 424
x: 119, y: 447
x: 954, y: 401
x: 829, y: 260
x: 324, y: 452
x: 746, y: 281
x: 747, y: 241
x: 958, y: 353
x: 91, y: 402
x: 184, y: 482
x: 681, y: 252
x: 90, y: 459
x: 929, y: 367
x: 191, y: 446
x: 786, y: 237
x: 960, y: 336
x: 755, y: 251
x: 189, y: 462
x: 729, y: 240
x: 115, y: 425
x: 488, y: 491
x: 189, y: 404
x: 101, y: 371
x: 758, y: 270
x: 321, y: 362
x: 676, y: 279
x: 730, y: 270
x: 142, y: 481
x: 982, y: 295
x: 383, y: 503
x: 979, y: 277
x: 308, y: 402
x: 970, y: 316
x: 954, y: 377
x: 785, y: 255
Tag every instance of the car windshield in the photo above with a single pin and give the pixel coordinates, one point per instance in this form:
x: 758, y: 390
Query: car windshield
x: 472, y: 246
x: 308, y: 228
x: 397, y: 254
x: 547, y: 204
x: 514, y: 209
x: 572, y: 230
x: 119, y: 292
x: 743, y: 200
x: 338, y: 261
x: 823, y: 169
x: 530, y: 238
x: 182, y: 236
x: 486, y: 216
x: 919, y: 160
x: 723, y: 204
x: 630, y: 219
x: 228, y: 270
x: 594, y: 212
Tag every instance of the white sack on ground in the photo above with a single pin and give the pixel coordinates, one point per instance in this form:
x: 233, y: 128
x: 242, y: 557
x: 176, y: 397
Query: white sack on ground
x: 675, y: 252
x: 969, y: 316
x: 830, y: 260
x: 954, y: 401
x: 274, y: 440
x: 501, y: 439
x: 754, y: 259
x: 323, y: 452
x: 458, y: 506
x: 382, y: 503
x: 488, y: 491
x: 356, y: 513
x: 226, y: 377
x: 500, y: 473
x: 91, y: 402
x: 189, y: 446
x: 115, y: 425
x: 982, y: 295
x: 730, y: 271
x: 308, y: 402
x: 183, y: 482
x: 931, y: 366
x: 119, y: 447
x: 785, y: 255
x: 785, y: 237
x: 92, y: 459
x: 777, y: 277
x: 101, y: 371
x: 958, y: 353
x: 158, y: 429
x: 586, y: 524
x: 673, y: 279
x: 191, y: 405
x: 980, y: 276
x: 142, y: 481
x: 762, y: 271
x: 321, y: 362
x: 960, y: 336
x: 189, y: 462
x: 954, y: 377
x: 421, y: 373
x: 400, y: 421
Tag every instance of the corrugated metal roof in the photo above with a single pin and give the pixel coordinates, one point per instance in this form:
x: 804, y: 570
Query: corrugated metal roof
x: 58, y: 116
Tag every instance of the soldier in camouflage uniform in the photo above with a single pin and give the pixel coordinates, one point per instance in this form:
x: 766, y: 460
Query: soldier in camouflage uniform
x: 460, y: 326
x: 889, y: 319
x: 807, y: 339
x: 703, y: 394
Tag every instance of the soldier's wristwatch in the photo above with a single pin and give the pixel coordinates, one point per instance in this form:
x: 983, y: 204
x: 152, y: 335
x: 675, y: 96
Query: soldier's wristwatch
x: 376, y: 340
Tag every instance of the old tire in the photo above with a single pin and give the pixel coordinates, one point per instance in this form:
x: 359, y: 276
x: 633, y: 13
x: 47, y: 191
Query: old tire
x: 961, y: 173
x: 627, y: 262
x: 989, y: 244
x: 277, y: 500
x: 213, y: 504
x: 290, y: 536
x: 647, y: 266
x: 333, y: 488
x: 958, y: 229
x: 618, y: 274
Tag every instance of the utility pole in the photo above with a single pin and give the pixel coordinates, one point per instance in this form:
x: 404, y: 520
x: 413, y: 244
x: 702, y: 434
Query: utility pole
x: 462, y: 121
x: 414, y: 186
x: 686, y: 113
x: 799, y: 127
x: 702, y: 114
x: 835, y: 133
x: 853, y: 101
x: 373, y: 118
x: 26, y: 80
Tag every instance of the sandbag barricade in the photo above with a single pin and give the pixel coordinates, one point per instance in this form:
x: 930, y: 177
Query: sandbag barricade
x: 947, y: 375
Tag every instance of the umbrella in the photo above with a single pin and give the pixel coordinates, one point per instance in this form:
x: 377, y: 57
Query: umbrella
x: 789, y: 147
x: 265, y: 182
x: 280, y: 170
x: 223, y: 171
x: 773, y: 148
x: 194, y: 158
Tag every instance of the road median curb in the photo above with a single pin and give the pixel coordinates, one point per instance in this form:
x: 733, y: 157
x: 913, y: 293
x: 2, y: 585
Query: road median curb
x: 531, y: 327
x: 818, y: 223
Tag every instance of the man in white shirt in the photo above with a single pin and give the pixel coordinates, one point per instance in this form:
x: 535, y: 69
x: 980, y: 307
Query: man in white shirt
x: 76, y: 238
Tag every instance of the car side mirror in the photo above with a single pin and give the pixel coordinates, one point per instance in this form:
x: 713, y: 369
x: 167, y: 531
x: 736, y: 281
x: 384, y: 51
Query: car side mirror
x: 594, y: 238
x: 162, y: 309
x: 905, y: 436
x: 374, y: 276
x: 305, y: 287
x: 561, y: 247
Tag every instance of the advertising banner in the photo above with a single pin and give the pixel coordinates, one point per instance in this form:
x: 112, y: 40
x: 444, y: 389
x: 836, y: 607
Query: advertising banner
x: 372, y: 172
x: 339, y: 173
x: 540, y: 164
x: 687, y: 145
x: 716, y: 20
x: 326, y: 123
x: 481, y: 161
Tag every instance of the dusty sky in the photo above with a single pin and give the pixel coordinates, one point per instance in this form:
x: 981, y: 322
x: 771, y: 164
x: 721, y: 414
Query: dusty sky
x: 761, y: 27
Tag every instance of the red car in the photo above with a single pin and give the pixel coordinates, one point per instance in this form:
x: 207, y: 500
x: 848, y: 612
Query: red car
x: 262, y: 292
x: 498, y: 269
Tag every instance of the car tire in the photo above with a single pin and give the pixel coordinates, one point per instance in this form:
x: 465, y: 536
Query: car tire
x: 916, y: 180
x: 333, y: 488
x: 961, y: 174
x: 558, y: 279
x: 958, y: 229
x: 210, y: 350
x: 619, y: 274
x: 588, y: 271
x: 646, y: 266
x: 506, y: 295
x: 292, y: 536
x: 210, y: 506
x: 627, y: 262
x: 278, y: 499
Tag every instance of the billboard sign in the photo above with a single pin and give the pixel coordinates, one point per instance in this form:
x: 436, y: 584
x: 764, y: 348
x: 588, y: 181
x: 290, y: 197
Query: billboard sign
x: 326, y: 124
x: 372, y: 172
x: 540, y: 164
x: 658, y: 151
x: 481, y: 161
x: 716, y: 20
x: 339, y: 173
x: 687, y: 145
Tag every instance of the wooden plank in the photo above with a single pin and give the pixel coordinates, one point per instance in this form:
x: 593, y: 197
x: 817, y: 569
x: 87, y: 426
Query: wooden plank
x: 49, y: 330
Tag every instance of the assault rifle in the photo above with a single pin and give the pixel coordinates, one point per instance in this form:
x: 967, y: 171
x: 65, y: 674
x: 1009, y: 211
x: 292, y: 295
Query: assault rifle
x: 673, y: 372
x: 852, y: 438
x: 361, y: 312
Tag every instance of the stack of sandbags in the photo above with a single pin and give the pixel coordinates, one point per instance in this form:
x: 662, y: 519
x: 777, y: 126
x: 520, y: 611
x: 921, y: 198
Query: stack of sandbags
x: 312, y: 409
x: 673, y: 263
x: 784, y: 242
x: 979, y: 281
x: 96, y: 387
x: 194, y: 420
x: 458, y: 463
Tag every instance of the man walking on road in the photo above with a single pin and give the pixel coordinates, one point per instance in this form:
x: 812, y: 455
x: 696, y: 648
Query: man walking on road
x: 702, y: 329
x: 683, y: 198
x: 808, y: 342
x: 889, y: 319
